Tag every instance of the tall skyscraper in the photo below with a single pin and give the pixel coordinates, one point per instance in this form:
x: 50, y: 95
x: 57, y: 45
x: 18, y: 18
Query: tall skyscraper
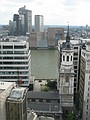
x: 25, y: 20
x: 16, y: 18
x: 39, y: 23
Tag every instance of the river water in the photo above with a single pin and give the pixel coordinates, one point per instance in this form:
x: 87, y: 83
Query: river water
x: 44, y: 64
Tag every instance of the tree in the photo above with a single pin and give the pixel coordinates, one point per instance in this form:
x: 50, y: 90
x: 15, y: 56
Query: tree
x: 71, y: 116
x: 52, y: 85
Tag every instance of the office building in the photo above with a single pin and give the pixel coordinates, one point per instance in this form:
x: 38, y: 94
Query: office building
x: 15, y: 61
x: 39, y: 23
x: 54, y: 35
x: 16, y: 104
x: 12, y: 27
x: 16, y: 19
x: 25, y: 20
x: 37, y: 39
x: 22, y: 23
x: 65, y: 83
x: 5, y: 89
x: 84, y: 86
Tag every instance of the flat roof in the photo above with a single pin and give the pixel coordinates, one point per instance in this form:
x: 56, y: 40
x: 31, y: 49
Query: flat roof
x: 43, y: 95
x: 17, y: 93
x: 5, y: 85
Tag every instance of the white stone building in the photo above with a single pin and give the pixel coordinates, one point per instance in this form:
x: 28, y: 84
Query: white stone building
x: 66, y: 76
x: 5, y: 89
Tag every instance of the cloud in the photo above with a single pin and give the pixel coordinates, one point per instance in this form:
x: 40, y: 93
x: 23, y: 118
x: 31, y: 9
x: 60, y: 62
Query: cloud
x: 70, y: 3
x: 54, y: 11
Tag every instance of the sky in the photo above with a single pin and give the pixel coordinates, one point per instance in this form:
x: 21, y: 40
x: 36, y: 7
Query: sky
x: 55, y: 12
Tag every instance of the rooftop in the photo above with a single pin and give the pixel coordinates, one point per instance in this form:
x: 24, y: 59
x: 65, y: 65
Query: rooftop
x: 4, y: 86
x: 43, y: 95
x: 13, y: 39
x: 17, y: 93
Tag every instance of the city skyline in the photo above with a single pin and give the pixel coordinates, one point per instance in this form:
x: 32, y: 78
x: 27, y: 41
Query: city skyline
x: 55, y: 12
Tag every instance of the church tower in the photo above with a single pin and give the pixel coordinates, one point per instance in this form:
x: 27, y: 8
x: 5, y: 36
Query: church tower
x: 66, y: 75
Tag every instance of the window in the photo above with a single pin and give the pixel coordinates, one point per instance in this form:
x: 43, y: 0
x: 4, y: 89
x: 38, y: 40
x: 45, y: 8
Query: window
x: 88, y: 89
x: 76, y: 54
x: 71, y: 58
x: 88, y: 83
x: 63, y: 58
x: 67, y: 78
x: 87, y: 100
x: 66, y: 89
x: 7, y: 47
x: 75, y: 47
x: 86, y: 113
x: 67, y: 58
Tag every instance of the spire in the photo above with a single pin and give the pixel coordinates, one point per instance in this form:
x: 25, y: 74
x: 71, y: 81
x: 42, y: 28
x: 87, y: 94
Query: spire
x: 68, y: 36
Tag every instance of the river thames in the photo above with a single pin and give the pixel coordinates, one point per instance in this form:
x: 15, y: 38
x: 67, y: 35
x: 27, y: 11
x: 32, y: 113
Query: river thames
x: 44, y: 64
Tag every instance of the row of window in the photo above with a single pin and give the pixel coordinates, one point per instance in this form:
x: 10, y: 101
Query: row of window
x: 13, y: 47
x: 67, y: 58
x: 16, y: 68
x: 13, y: 73
x: 4, y: 63
x: 14, y: 52
x: 13, y: 77
x: 43, y: 100
x: 13, y: 58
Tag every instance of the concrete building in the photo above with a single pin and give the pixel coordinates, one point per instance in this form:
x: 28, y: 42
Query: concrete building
x: 84, y: 86
x: 39, y: 23
x: 16, y: 104
x: 15, y: 61
x: 54, y: 34
x: 12, y: 27
x: 25, y: 20
x: 65, y: 83
x: 5, y: 89
x: 37, y: 40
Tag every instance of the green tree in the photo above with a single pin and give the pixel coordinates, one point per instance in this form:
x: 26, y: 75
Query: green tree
x: 52, y: 84
x: 71, y: 116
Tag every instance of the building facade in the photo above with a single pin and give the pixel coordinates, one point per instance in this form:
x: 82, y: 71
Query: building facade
x: 22, y: 22
x: 25, y: 20
x: 5, y: 89
x: 16, y: 104
x: 84, y: 86
x: 65, y: 83
x: 15, y: 61
x: 77, y: 45
x: 17, y: 28
x: 39, y: 23
x: 54, y: 35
